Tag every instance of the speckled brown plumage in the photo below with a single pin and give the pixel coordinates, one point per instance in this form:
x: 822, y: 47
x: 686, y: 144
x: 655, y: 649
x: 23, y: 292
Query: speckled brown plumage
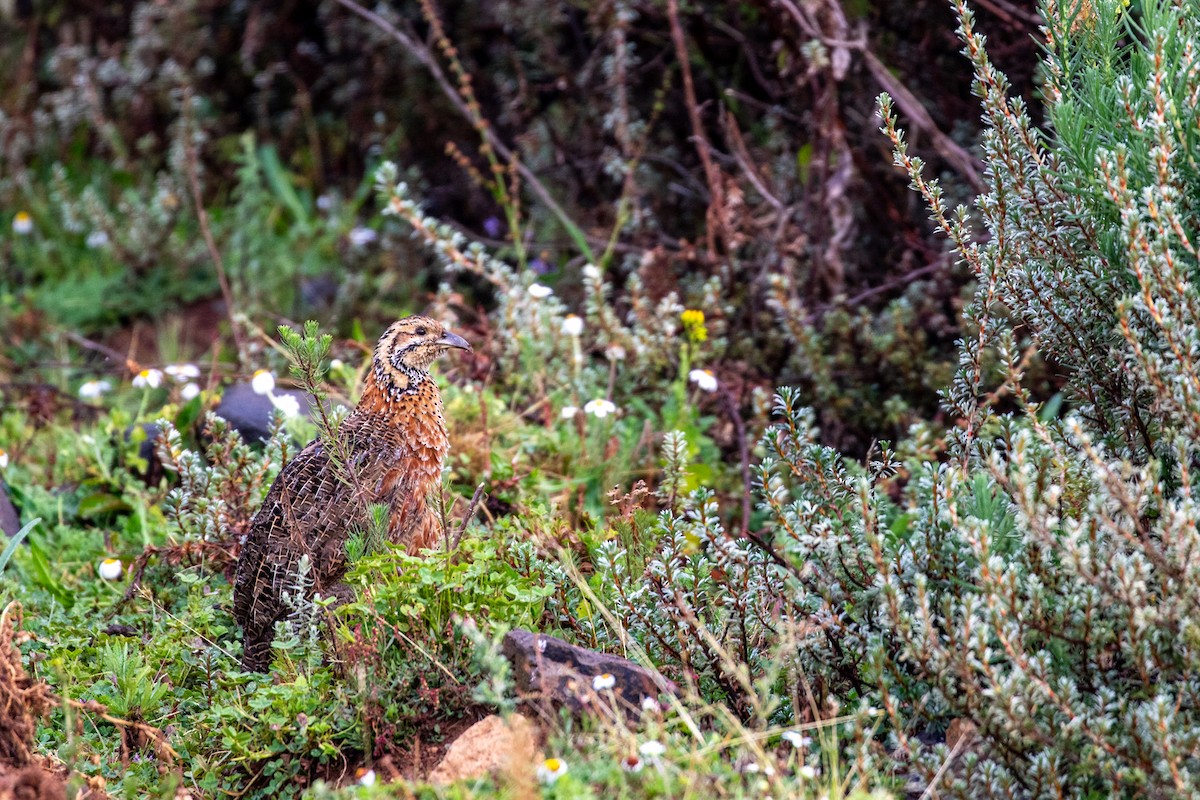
x: 392, y: 446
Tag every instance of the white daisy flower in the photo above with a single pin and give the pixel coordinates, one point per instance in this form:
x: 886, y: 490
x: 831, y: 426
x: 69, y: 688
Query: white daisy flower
x: 189, y: 391
x: 796, y: 739
x: 539, y: 291
x: 148, y: 378
x: 286, y: 403
x: 3, y: 458
x: 110, y: 569
x: 704, y: 379
x: 569, y: 412
x: 22, y: 223
x: 551, y: 770
x: 614, y: 352
x: 182, y: 372
x: 97, y: 239
x: 599, y: 408
x: 652, y: 749
x: 605, y: 680
x: 572, y: 325
x: 754, y: 767
x: 90, y: 390
x: 649, y: 704
x: 361, y: 236
x: 263, y: 382
x: 367, y: 778
x: 807, y: 772
x: 632, y: 764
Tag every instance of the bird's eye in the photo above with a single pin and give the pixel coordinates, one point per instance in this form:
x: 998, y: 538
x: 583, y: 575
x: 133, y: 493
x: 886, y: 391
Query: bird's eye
x: 421, y: 331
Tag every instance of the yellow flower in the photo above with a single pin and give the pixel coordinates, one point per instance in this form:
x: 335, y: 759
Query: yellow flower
x: 693, y: 325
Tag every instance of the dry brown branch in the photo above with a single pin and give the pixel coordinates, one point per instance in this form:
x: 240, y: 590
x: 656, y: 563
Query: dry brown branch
x: 191, y: 165
x: 947, y: 148
x: 23, y: 701
x: 738, y: 147
x: 1011, y: 13
x: 472, y: 507
x: 423, y: 55
x: 955, y: 156
x: 714, y: 217
x: 102, y: 349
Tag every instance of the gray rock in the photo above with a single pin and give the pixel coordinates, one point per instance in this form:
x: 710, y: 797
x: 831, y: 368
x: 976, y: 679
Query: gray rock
x: 548, y: 670
x: 250, y: 413
x: 10, y: 520
x: 148, y: 450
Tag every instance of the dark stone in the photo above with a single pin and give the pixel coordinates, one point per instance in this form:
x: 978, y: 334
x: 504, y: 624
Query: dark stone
x: 148, y: 451
x: 10, y: 520
x: 250, y: 413
x: 320, y: 292
x: 552, y: 671
x: 121, y: 629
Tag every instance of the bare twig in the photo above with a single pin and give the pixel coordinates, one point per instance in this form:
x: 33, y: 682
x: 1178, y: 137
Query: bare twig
x: 423, y: 55
x: 1010, y: 12
x: 711, y: 174
x: 214, y: 252
x: 103, y: 349
x: 895, y: 283
x: 738, y: 146
x: 162, y: 748
x: 743, y: 454
x: 466, y: 520
x: 955, y: 156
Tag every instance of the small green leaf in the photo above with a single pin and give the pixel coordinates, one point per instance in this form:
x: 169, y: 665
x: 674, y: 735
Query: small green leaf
x: 15, y: 540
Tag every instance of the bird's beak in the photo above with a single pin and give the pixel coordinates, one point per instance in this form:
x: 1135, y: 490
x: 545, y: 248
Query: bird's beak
x: 453, y: 340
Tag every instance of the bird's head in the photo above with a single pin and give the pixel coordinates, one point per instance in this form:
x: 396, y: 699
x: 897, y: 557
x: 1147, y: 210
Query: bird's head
x: 409, y: 346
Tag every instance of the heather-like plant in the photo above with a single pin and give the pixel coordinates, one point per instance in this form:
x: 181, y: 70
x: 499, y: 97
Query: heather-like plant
x: 1041, y: 584
x: 1063, y: 628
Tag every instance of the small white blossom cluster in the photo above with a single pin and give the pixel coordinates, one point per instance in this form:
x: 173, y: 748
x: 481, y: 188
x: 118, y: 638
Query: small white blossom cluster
x: 704, y: 379
x: 599, y: 408
x: 22, y: 223
x: 551, y: 770
x: 93, y: 390
x: 148, y: 379
x: 151, y: 378
x: 263, y: 382
x: 110, y: 569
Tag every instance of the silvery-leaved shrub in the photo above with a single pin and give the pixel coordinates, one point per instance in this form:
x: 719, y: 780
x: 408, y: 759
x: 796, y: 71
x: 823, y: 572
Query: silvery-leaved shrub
x: 1043, y: 582
x: 1059, y: 615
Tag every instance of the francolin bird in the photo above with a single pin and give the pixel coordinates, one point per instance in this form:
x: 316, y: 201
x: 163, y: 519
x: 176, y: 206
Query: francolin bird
x: 389, y: 450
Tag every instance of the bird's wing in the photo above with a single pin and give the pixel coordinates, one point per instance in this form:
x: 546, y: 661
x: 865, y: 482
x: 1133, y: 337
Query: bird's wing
x: 311, y: 503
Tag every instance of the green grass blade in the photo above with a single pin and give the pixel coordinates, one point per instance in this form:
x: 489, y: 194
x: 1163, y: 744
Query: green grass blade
x: 15, y: 540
